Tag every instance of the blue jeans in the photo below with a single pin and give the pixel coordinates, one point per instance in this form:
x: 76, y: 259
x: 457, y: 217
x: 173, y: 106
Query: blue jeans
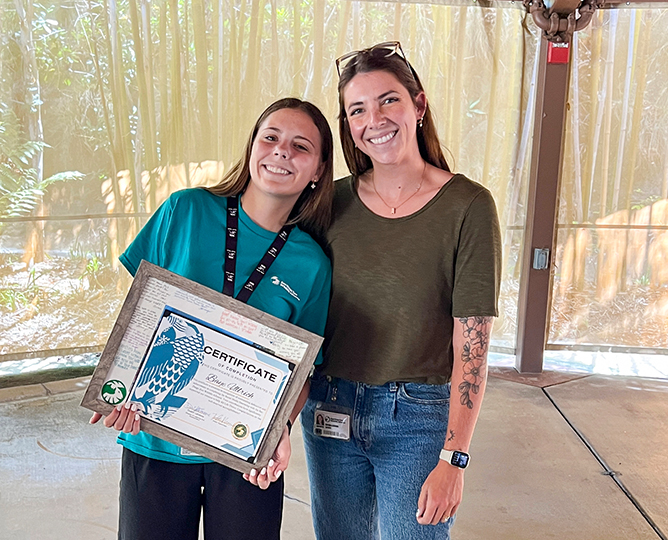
x: 368, y: 487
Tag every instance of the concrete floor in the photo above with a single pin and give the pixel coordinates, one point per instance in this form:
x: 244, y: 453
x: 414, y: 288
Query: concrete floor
x: 533, y: 473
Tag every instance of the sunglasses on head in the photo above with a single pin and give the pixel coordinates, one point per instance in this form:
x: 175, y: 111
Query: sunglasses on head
x: 392, y: 47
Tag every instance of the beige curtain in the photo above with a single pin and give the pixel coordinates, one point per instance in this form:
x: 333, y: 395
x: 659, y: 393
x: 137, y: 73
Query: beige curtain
x: 611, y: 283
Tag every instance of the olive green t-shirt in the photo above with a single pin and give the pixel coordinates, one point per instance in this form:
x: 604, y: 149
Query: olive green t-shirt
x: 398, y: 283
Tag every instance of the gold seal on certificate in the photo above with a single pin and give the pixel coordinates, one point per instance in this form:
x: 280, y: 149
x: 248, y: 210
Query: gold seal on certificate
x: 207, y: 372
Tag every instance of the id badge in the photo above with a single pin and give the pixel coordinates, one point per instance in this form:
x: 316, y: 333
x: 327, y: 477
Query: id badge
x: 332, y: 421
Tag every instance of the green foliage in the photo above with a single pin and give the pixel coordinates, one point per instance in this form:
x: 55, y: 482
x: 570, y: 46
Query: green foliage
x: 93, y: 273
x: 473, y: 110
x: 645, y: 201
x: 20, y: 187
x: 15, y: 298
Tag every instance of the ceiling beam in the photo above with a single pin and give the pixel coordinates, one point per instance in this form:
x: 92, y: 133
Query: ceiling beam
x: 607, y: 4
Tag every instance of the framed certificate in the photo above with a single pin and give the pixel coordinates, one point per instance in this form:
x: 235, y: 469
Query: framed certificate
x: 211, y: 374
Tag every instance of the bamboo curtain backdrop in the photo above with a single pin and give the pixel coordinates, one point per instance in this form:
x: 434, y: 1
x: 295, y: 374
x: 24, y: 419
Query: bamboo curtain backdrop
x: 107, y: 107
x: 611, y: 279
x: 135, y: 99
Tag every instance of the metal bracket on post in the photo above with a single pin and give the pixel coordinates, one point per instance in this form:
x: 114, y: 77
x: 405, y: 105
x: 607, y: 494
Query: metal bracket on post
x: 563, y: 17
x: 541, y: 259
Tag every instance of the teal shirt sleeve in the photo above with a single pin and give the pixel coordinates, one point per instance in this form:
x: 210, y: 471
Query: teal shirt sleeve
x: 150, y: 241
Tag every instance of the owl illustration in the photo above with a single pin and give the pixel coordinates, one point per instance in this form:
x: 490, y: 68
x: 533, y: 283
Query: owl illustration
x: 177, y: 353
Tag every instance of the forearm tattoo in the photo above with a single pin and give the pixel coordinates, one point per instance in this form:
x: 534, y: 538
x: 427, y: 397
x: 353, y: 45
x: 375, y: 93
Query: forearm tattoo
x: 476, y: 336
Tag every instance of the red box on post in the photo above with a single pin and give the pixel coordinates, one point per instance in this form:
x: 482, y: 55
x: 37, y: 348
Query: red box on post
x: 557, y: 53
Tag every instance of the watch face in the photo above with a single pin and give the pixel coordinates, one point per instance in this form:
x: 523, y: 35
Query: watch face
x: 460, y: 459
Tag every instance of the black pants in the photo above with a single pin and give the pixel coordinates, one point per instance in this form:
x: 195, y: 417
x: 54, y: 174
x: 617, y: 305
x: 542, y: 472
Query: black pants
x: 163, y: 501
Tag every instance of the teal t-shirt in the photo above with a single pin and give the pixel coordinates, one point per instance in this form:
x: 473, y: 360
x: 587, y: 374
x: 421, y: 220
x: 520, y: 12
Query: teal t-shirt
x: 186, y: 235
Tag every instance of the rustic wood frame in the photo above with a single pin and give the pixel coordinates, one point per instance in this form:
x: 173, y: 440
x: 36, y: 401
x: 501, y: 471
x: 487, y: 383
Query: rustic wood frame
x: 92, y: 400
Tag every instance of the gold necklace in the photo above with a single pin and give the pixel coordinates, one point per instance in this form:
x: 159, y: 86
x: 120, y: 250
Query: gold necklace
x: 393, y: 209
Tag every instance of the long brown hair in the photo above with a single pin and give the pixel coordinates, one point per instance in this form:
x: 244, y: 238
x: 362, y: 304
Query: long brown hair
x: 378, y: 60
x: 313, y: 209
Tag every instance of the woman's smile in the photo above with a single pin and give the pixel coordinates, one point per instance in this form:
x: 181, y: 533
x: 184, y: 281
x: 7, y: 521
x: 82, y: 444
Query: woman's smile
x: 276, y: 170
x: 384, y: 138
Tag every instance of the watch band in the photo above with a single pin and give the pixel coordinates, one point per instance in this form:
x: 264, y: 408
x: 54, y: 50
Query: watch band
x: 455, y: 458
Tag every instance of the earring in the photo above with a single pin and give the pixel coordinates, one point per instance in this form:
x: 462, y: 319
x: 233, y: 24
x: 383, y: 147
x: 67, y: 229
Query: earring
x: 419, y: 123
x: 313, y: 184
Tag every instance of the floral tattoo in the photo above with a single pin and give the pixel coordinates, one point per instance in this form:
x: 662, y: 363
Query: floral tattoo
x: 473, y: 356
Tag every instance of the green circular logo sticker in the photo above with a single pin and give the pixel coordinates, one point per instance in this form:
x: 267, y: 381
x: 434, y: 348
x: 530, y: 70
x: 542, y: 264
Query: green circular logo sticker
x: 113, y: 392
x: 240, y: 431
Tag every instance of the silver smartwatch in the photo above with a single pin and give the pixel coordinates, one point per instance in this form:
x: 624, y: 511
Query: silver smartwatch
x: 455, y: 458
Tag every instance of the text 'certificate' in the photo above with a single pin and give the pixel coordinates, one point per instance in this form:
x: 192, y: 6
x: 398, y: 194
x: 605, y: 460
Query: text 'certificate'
x: 209, y: 384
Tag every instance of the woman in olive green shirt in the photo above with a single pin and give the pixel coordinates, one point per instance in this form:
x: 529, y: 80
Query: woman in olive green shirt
x: 416, y: 273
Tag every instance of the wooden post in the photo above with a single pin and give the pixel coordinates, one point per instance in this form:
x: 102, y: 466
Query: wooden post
x: 544, y: 184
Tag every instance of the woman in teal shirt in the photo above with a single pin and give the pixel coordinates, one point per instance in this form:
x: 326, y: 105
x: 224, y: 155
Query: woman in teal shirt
x: 284, y: 179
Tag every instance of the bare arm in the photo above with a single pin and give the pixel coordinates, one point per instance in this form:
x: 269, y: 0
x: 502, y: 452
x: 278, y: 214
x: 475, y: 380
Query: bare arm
x: 301, y: 401
x: 442, y: 491
x: 470, y: 344
x: 281, y: 457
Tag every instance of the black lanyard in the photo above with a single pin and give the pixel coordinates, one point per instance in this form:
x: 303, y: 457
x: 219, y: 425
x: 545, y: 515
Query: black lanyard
x: 231, y: 254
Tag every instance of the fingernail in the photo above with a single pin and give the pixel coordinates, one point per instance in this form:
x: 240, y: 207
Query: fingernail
x: 127, y: 405
x: 264, y: 470
x: 271, y: 462
x: 134, y: 407
x: 253, y: 472
x: 417, y: 514
x: 278, y: 474
x: 245, y: 477
x: 136, y: 416
x: 119, y: 408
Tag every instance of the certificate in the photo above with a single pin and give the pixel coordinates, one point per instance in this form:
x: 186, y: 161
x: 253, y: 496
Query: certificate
x: 211, y: 374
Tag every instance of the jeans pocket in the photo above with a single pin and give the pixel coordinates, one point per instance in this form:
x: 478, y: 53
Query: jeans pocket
x: 425, y: 394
